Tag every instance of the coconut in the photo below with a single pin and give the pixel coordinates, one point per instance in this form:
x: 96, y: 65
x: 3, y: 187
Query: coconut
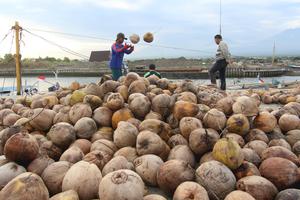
x: 39, y: 164
x: 159, y: 127
x: 74, y: 85
x: 85, y: 128
x: 26, y: 186
x: 6, y: 133
x: 239, y: 139
x: 130, y: 77
x: 129, y: 153
x: 41, y: 119
x: 69, y: 194
x: 257, y: 134
x: 206, y: 157
x: 214, y: 119
x: 187, y: 96
x: 278, y: 151
x: 121, y: 185
x: 37, y: 103
x: 4, y: 113
x: 3, y: 160
x: 103, y: 133
x: 225, y: 105
x: 99, y: 158
x: 177, y: 140
x: 163, y: 83
x: 154, y: 197
x: 257, y: 145
x: 251, y: 156
x: 54, y: 174
x: 282, y: 172
x: 185, y: 109
x: 280, y: 142
x: 216, y: 178
x: 62, y: 115
x: 189, y: 124
x: 123, y: 90
x: 184, y: 153
x: 265, y: 121
x: 153, y: 115
x: 83, y: 144
x: 79, y: 111
x: 57, y: 107
x: 267, y: 99
x: 289, y: 122
x: 72, y: 155
x: 148, y: 37
x: 190, y: 190
x: 296, y: 148
x: 258, y: 187
x: 162, y: 104
x: 134, y: 122
x: 108, y: 86
x: 49, y: 101
x: 10, y: 119
x: 93, y: 89
x: 239, y: 195
x: 51, y: 150
x: 238, y: 123
x: 203, y: 140
x: 137, y: 86
x: 104, y: 145
x: 21, y: 148
x: 228, y: 152
x: 246, y: 169
x: 93, y: 101
x: 115, y: 101
x: 62, y: 134
x: 87, y: 173
x: 288, y: 194
x: 174, y: 123
x: 9, y: 171
x: 140, y: 106
x: 172, y: 173
x: 121, y: 115
x: 293, y: 136
x: 102, y: 116
x: 245, y: 105
x: 117, y: 163
x: 125, y: 135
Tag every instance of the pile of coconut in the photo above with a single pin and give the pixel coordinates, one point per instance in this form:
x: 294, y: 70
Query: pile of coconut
x: 149, y: 139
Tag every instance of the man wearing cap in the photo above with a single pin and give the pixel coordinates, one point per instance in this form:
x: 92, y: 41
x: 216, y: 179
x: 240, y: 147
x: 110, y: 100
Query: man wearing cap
x: 117, y: 55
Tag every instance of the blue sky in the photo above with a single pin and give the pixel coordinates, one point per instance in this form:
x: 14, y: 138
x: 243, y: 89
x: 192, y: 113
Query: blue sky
x: 184, y: 24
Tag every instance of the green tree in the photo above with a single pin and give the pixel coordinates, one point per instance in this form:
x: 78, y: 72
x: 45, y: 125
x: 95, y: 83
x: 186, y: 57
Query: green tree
x: 66, y: 59
x: 8, y: 58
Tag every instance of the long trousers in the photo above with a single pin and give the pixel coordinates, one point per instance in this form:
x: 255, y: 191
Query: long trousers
x: 220, y: 66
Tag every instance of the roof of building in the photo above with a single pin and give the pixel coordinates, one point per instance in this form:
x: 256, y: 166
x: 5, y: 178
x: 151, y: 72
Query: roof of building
x: 99, y: 56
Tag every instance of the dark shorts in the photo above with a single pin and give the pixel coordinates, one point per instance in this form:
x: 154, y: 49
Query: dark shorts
x: 116, y: 73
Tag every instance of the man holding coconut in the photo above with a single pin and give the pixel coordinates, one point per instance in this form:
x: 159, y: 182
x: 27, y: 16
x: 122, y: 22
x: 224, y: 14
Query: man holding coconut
x: 117, y: 55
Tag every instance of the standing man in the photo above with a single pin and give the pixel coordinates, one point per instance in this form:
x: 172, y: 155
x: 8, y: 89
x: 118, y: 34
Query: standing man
x: 222, y: 60
x: 117, y: 55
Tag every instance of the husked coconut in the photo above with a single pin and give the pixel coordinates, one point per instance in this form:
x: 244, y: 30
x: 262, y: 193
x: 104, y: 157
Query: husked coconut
x: 123, y: 90
x: 154, y: 197
x: 134, y: 38
x: 190, y: 190
x: 177, y: 139
x: 289, y: 122
x: 147, y: 167
x: 153, y: 115
x: 16, y: 107
x: 69, y: 194
x: 245, y: 105
x: 257, y: 145
x: 93, y: 89
x: 182, y: 152
x: 225, y: 105
x: 62, y: 134
x: 104, y: 145
x: 41, y: 119
x: 121, y: 115
x: 251, y: 156
x: 134, y: 122
x: 99, y: 158
x: 54, y: 174
x: 26, y: 186
x: 102, y: 116
x: 51, y: 150
x: 296, y: 148
x: 117, y: 163
x: 93, y: 101
x: 159, y: 127
x: 121, y: 185
x: 83, y: 172
x: 174, y: 123
x: 206, y: 158
x: 83, y: 144
x: 125, y: 135
x: 278, y: 151
x: 130, y: 77
x: 79, y: 111
x: 216, y: 178
x: 77, y: 97
x: 239, y: 124
x: 103, y: 133
x: 140, y: 106
x: 9, y: 171
x: 203, y: 140
x: 239, y: 195
x: 62, y: 115
x: 129, y: 153
x: 108, y: 86
x: 280, y: 142
x: 137, y: 86
x: 172, y: 173
x: 265, y: 121
x: 246, y: 169
x: 163, y: 83
x: 214, y: 119
x: 39, y: 164
x: 185, y: 109
x: 85, y: 128
x: 115, y: 101
x: 288, y: 194
x: 74, y: 85
x: 257, y: 134
x: 187, y: 96
x: 258, y: 187
x: 11, y: 119
x: 189, y: 124
x: 162, y: 104
x: 148, y: 37
x: 293, y: 136
x: 239, y: 139
x: 72, y: 155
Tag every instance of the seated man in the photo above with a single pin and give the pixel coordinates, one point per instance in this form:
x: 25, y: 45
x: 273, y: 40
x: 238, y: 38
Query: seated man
x: 152, y: 72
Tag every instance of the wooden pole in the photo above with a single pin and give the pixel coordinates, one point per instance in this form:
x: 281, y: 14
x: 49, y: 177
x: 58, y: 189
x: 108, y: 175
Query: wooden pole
x: 17, y: 28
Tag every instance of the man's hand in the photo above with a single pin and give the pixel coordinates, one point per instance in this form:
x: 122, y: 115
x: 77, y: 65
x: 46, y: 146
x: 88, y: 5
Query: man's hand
x: 126, y: 46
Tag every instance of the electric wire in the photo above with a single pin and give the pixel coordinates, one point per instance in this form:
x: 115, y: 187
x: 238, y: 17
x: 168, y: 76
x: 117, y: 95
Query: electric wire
x: 6, y: 35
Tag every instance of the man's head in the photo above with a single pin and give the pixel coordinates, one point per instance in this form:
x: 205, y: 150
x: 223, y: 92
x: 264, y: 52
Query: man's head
x: 120, y: 38
x: 218, y: 39
x: 152, y: 67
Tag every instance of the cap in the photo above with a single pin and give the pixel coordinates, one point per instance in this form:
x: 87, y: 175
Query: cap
x: 121, y: 35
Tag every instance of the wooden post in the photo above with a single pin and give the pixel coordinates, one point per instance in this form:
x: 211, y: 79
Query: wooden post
x: 17, y: 28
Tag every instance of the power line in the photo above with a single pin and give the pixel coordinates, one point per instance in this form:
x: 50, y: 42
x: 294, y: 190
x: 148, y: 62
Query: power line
x: 5, y: 36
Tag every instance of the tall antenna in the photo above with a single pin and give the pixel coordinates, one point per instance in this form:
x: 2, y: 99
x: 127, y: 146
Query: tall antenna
x: 274, y: 51
x: 220, y: 17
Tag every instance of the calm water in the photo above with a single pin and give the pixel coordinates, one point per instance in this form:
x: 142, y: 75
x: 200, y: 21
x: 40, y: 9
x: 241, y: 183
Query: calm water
x: 65, y: 81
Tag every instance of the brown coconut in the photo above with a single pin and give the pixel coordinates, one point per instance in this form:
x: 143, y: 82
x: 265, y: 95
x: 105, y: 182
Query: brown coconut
x: 108, y: 86
x: 26, y: 186
x: 93, y: 89
x: 214, y: 119
x: 140, y: 106
x: 134, y: 122
x: 251, y: 156
x: 289, y: 122
x: 103, y: 133
x: 239, y: 139
x: 93, y: 101
x: 79, y: 111
x: 115, y: 101
x: 177, y: 139
x: 51, y: 150
x: 280, y: 142
x: 154, y: 197
x: 104, y: 145
x: 172, y: 173
x: 203, y: 140
x: 239, y: 195
x: 257, y: 134
x: 225, y: 105
x: 216, y: 178
x: 121, y: 115
x: 85, y: 128
x: 117, y: 163
x: 293, y: 136
x: 41, y: 119
x: 246, y: 169
x: 69, y: 194
x: 87, y: 173
x: 265, y: 121
x: 74, y: 85
x: 296, y: 148
x: 153, y: 115
x: 123, y: 90
x: 62, y: 134
x: 159, y: 127
x: 62, y: 115
x: 257, y: 145
x: 245, y: 105
x: 282, y: 172
x: 185, y: 109
x: 54, y: 174
x: 148, y: 37
x: 163, y: 83
x: 288, y: 194
x: 137, y: 86
x: 57, y: 107
x: 99, y: 158
x: 190, y: 190
x: 206, y: 158
x: 16, y: 107
x: 72, y: 155
x: 174, y: 123
x: 125, y: 135
x: 162, y: 104
x: 39, y: 164
x: 187, y: 96
x: 129, y: 153
x: 6, y: 133
x: 184, y: 153
x: 121, y: 185
x: 239, y: 124
x: 83, y: 144
x: 8, y: 171
x: 21, y: 148
x: 278, y: 151
x: 102, y: 116
x: 189, y: 124
x: 49, y: 101
x: 10, y: 119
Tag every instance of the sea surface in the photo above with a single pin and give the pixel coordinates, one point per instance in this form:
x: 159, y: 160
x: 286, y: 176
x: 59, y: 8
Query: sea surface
x: 43, y: 85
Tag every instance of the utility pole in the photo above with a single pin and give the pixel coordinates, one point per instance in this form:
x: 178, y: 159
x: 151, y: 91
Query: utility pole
x: 273, y: 57
x: 17, y: 29
x: 220, y: 17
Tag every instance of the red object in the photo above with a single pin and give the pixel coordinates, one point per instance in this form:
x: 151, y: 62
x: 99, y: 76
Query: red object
x: 42, y: 77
